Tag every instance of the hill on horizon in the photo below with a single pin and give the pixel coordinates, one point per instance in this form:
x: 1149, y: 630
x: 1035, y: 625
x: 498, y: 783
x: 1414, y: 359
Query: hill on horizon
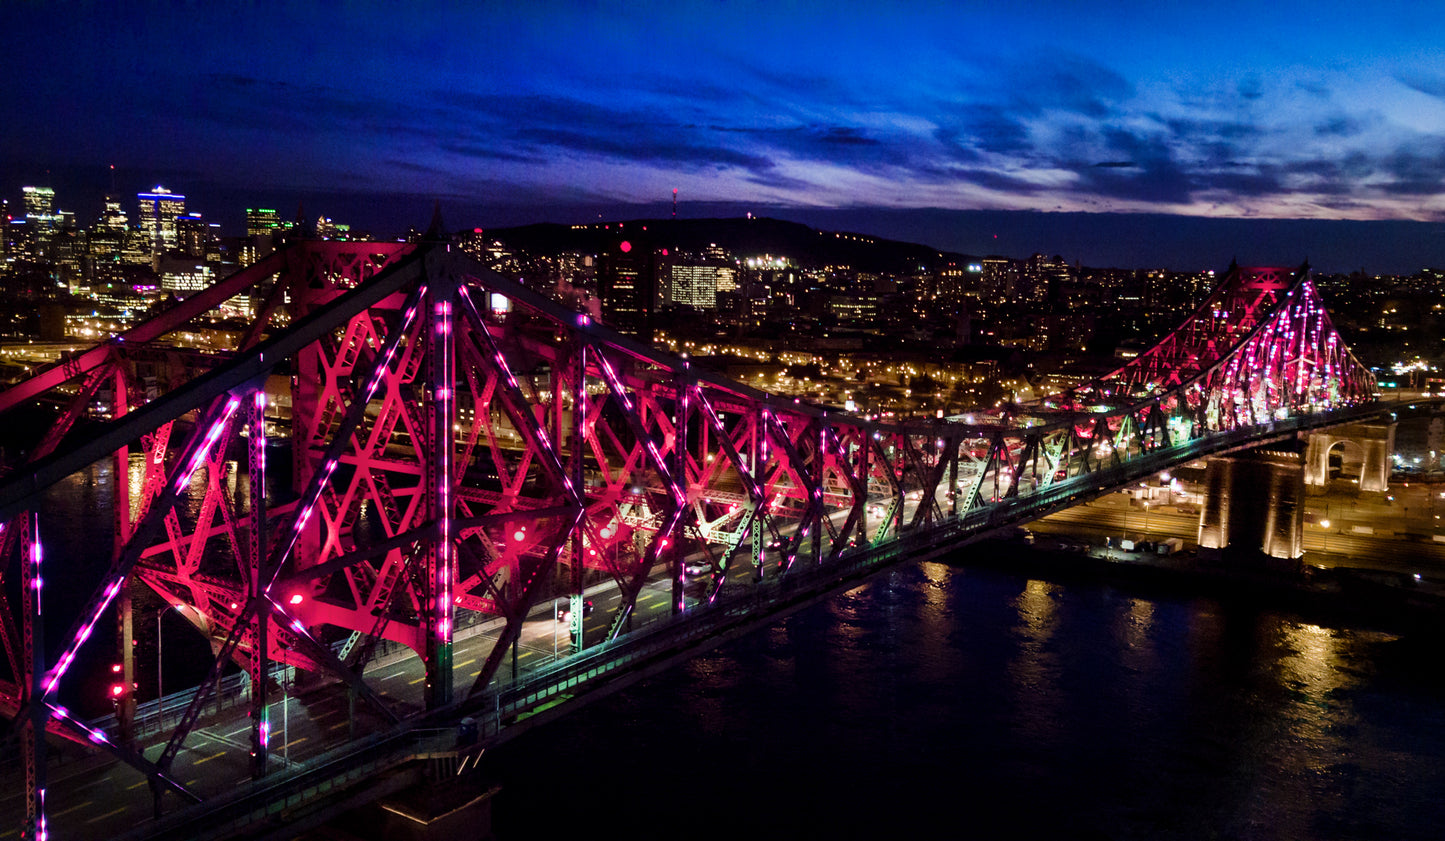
x: 742, y: 236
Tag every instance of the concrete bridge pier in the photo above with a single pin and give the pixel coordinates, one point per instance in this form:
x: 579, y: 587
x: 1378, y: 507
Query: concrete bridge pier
x: 1368, y: 444
x: 1254, y: 506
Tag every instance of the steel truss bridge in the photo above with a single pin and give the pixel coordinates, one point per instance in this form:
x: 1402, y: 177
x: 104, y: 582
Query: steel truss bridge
x: 463, y: 449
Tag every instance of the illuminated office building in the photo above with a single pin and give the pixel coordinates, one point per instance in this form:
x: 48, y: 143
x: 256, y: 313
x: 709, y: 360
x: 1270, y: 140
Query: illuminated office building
x: 39, y: 203
x: 627, y: 285
x: 693, y: 286
x: 40, y: 222
x: 191, y: 234
x: 263, y: 221
x: 157, y: 217
x: 113, y: 219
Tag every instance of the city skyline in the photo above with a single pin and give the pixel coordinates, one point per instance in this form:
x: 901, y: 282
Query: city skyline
x: 882, y: 117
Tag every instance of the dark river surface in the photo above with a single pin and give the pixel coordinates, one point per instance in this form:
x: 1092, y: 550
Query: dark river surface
x: 941, y: 701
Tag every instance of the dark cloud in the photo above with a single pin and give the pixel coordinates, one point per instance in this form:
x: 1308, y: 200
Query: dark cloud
x: 1432, y: 84
x: 1154, y: 177
x: 955, y: 146
x: 1339, y: 126
x: 643, y: 149
x: 1200, y: 130
x: 1330, y: 176
x: 511, y: 110
x: 998, y: 181
x: 1069, y: 83
x: 1116, y: 164
x: 1258, y: 182
x: 777, y: 181
x: 489, y: 151
x: 531, y: 129
x: 1414, y: 173
x: 985, y: 128
x: 841, y: 145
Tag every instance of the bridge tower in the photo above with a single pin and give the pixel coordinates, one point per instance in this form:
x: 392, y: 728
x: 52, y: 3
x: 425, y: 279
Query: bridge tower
x: 1373, y: 442
x: 1254, y: 502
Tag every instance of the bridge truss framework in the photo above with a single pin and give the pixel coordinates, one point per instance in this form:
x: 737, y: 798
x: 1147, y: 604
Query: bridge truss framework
x: 463, y: 448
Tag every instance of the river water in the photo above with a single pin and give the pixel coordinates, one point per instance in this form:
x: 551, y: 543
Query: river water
x: 968, y: 703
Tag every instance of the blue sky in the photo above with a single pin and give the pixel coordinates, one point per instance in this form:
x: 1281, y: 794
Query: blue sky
x: 1246, y: 110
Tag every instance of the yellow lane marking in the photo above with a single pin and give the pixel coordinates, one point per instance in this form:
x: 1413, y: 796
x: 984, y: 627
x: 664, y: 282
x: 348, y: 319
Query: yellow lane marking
x: 337, y: 726
x: 295, y: 742
x: 525, y: 654
x: 465, y: 663
x: 109, y: 814
x: 71, y: 809
x: 209, y: 758
x: 137, y: 785
x: 415, y: 682
x: 9, y: 832
x: 477, y: 672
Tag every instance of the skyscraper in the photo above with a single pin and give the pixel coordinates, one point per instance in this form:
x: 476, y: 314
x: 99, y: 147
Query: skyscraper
x: 627, y: 285
x: 40, y: 223
x: 191, y: 234
x: 39, y: 202
x: 693, y: 286
x: 263, y: 221
x: 112, y: 220
x: 157, y: 217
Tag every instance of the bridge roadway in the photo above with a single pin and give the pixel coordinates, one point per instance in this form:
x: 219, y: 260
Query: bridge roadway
x: 328, y: 756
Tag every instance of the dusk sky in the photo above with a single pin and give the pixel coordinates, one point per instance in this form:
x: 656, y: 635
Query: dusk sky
x: 553, y: 111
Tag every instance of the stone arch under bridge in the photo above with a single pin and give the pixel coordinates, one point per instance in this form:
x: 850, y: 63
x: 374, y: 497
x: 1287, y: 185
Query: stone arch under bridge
x: 1376, y: 441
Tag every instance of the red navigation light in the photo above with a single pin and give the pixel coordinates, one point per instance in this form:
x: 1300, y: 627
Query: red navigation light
x: 115, y: 668
x: 117, y: 690
x: 625, y: 246
x: 296, y: 599
x: 664, y: 252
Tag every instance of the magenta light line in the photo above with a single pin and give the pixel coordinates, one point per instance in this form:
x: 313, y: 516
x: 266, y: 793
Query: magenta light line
x: 212, y: 435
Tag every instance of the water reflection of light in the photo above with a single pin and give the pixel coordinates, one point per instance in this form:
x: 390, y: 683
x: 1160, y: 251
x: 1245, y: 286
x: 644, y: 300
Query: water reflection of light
x: 935, y: 604
x: 136, y: 476
x: 1311, y: 663
x: 1136, y: 627
x: 1036, y: 609
x: 1033, y: 670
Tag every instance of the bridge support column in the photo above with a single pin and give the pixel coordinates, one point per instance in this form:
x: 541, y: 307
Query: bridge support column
x: 1254, y: 503
x: 1373, y: 442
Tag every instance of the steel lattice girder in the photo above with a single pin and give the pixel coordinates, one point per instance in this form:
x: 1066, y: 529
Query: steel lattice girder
x: 1290, y: 361
x: 452, y: 455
